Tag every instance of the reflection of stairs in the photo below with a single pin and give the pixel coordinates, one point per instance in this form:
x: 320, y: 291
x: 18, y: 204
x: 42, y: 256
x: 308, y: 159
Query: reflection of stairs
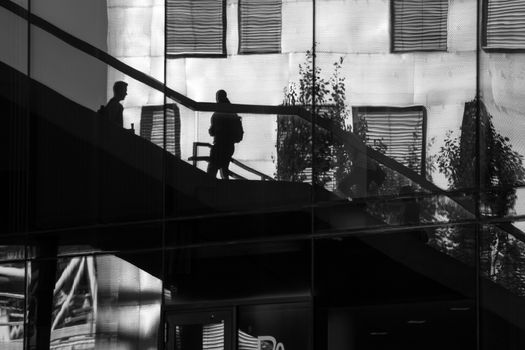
x: 75, y: 153
x: 87, y: 170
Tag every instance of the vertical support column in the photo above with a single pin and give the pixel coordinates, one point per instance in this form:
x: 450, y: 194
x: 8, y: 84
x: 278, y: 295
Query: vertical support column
x: 478, y: 182
x: 42, y: 284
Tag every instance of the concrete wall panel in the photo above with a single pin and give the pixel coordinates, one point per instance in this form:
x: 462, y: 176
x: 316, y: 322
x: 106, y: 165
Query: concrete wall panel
x: 353, y: 26
x: 462, y: 25
x: 87, y: 20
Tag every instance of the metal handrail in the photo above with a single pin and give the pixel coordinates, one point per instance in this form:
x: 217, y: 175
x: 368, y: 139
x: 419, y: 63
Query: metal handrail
x: 196, y: 158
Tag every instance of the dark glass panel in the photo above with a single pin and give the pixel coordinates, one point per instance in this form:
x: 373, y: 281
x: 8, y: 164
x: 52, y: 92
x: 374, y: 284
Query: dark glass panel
x: 275, y: 326
x: 428, y: 325
x: 200, y: 329
x: 89, y: 167
x: 391, y: 289
x: 15, y: 122
x: 243, y: 227
x: 95, y: 239
x: 502, y: 287
x: 238, y: 272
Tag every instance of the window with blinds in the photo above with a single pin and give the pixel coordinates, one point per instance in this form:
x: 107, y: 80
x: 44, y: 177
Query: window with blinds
x: 152, y: 127
x: 398, y: 132
x: 195, y: 28
x: 260, y: 26
x: 504, y: 24
x: 419, y: 25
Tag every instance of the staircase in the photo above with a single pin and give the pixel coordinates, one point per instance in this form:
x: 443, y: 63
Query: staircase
x: 85, y: 172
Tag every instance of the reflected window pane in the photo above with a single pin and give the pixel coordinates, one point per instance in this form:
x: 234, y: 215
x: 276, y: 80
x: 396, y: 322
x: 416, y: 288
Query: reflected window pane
x: 129, y: 301
x: 419, y: 25
x: 95, y: 302
x: 504, y: 26
x: 12, y: 300
x: 199, y: 330
x: 398, y: 133
x: 152, y: 127
x: 74, y: 303
x: 260, y: 26
x: 195, y: 27
x: 200, y: 337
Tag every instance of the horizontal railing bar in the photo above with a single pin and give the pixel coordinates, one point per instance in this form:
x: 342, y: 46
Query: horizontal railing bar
x: 252, y: 170
x: 233, y: 160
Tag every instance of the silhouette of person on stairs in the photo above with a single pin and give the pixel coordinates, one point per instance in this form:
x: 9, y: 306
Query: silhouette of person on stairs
x: 114, y: 110
x: 226, y: 129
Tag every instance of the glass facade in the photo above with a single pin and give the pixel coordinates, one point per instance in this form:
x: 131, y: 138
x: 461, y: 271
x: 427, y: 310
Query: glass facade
x: 262, y: 175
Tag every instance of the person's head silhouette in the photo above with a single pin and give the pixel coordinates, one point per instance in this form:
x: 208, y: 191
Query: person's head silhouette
x: 120, y: 90
x: 221, y: 97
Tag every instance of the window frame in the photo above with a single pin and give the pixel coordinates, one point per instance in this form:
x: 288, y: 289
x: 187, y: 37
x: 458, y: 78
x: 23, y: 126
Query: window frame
x: 393, y: 110
x: 392, y: 33
x: 484, y: 33
x: 224, y: 52
x: 239, y: 33
x: 148, y: 111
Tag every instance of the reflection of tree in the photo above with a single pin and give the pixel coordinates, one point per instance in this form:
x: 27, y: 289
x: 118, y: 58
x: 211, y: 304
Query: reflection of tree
x: 294, y: 136
x: 330, y: 161
x: 501, y: 168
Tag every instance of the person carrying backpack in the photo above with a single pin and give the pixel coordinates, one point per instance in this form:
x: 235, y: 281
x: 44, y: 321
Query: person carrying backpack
x: 226, y: 129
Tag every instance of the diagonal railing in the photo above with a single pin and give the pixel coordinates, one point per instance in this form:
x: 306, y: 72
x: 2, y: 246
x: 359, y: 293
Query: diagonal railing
x: 352, y: 143
x: 196, y: 158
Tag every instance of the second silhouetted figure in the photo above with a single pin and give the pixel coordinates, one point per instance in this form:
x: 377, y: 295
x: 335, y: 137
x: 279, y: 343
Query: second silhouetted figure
x: 226, y: 129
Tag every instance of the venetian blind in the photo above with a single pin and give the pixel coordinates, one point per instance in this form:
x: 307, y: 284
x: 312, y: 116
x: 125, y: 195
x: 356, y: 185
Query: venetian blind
x: 246, y: 341
x: 419, y: 25
x: 505, y: 24
x: 213, y: 336
x: 195, y: 27
x: 260, y: 26
x: 400, y: 130
x: 152, y: 127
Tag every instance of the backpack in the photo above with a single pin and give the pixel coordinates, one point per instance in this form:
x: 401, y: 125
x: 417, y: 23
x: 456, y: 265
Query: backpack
x: 237, y: 130
x: 101, y: 111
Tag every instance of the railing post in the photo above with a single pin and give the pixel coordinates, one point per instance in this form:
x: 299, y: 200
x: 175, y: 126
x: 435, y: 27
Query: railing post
x: 195, y: 154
